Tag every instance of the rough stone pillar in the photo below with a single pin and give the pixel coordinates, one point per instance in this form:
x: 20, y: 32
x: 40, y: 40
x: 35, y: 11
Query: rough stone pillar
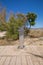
x: 21, y: 37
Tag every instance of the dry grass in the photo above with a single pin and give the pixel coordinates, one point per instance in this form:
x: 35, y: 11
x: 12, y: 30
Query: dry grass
x: 27, y: 41
x: 34, y: 39
x: 6, y: 42
x: 36, y: 33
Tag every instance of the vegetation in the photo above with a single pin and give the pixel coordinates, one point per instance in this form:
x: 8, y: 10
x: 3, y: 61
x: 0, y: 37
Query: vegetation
x: 31, y: 17
x: 15, y: 22
x: 12, y: 32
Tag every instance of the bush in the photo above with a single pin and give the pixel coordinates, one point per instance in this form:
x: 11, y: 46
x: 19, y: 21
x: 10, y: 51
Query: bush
x: 12, y: 37
x: 2, y: 28
x: 12, y: 31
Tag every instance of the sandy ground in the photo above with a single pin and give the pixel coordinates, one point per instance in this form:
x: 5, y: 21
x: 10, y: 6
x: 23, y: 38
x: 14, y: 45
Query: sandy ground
x: 33, y: 41
x: 2, y: 34
x: 27, y: 41
x: 31, y: 54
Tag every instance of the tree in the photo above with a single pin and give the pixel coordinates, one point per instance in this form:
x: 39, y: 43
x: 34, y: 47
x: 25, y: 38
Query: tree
x: 21, y: 19
x: 3, y: 23
x: 14, y: 23
x: 31, y: 17
x: 12, y: 31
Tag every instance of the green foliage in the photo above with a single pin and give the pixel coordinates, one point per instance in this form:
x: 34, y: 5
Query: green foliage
x: 2, y: 28
x: 19, y: 22
x: 31, y: 17
x: 21, y: 19
x: 12, y: 36
x: 32, y: 23
x: 15, y: 22
x: 26, y: 31
x: 13, y: 26
x: 12, y: 32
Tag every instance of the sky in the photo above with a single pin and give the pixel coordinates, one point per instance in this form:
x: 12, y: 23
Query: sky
x: 25, y: 6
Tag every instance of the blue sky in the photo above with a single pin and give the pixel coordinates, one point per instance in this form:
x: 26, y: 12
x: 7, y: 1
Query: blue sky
x: 24, y: 6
